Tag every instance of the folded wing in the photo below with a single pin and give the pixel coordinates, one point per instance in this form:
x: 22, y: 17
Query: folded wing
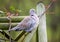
x: 26, y: 23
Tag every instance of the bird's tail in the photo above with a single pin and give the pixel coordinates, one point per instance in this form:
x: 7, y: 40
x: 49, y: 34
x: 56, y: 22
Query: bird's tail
x: 13, y: 29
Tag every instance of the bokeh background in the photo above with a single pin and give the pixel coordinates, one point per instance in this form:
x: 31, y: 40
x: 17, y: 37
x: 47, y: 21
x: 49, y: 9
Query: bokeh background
x: 21, y: 7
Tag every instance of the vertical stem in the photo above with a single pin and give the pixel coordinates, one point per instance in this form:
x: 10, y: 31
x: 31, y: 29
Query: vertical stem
x: 42, y: 34
x: 9, y: 27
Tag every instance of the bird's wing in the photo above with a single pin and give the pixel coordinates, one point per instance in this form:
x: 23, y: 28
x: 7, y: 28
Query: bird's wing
x: 26, y: 23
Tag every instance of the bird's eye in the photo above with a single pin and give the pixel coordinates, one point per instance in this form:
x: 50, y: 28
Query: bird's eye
x: 31, y: 15
x: 33, y: 11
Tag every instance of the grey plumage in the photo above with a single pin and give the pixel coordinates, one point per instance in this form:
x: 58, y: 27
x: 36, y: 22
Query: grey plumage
x: 28, y: 23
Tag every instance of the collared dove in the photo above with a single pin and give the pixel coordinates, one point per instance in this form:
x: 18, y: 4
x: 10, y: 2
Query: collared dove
x: 29, y: 23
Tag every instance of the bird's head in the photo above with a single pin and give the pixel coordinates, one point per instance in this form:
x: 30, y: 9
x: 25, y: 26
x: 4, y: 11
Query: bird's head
x: 32, y: 12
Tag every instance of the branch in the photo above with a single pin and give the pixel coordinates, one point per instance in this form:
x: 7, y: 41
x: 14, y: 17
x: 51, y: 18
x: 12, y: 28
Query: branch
x: 9, y: 28
x: 46, y: 9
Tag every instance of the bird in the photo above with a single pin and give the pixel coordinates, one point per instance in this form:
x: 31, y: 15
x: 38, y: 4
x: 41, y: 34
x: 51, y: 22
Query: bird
x: 29, y: 23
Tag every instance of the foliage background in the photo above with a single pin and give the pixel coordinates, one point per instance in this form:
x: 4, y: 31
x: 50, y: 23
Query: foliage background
x: 23, y: 6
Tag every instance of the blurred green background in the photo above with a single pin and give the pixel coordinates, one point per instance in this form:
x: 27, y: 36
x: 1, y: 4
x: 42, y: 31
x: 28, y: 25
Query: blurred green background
x: 22, y: 8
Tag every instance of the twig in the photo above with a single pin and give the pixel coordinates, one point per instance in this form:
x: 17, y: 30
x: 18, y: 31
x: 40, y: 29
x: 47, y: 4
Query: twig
x: 9, y: 26
x: 46, y: 9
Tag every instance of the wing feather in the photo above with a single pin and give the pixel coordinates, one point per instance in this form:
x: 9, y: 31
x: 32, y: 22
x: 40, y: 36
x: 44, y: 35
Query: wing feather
x: 26, y: 23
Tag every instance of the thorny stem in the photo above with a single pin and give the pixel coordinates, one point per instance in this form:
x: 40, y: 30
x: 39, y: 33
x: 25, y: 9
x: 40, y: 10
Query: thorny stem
x: 46, y: 9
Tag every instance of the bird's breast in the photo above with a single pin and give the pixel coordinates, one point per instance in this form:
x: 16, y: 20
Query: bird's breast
x: 35, y: 18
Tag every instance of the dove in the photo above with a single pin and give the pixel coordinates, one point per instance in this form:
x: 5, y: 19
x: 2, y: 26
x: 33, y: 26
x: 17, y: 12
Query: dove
x: 29, y: 23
